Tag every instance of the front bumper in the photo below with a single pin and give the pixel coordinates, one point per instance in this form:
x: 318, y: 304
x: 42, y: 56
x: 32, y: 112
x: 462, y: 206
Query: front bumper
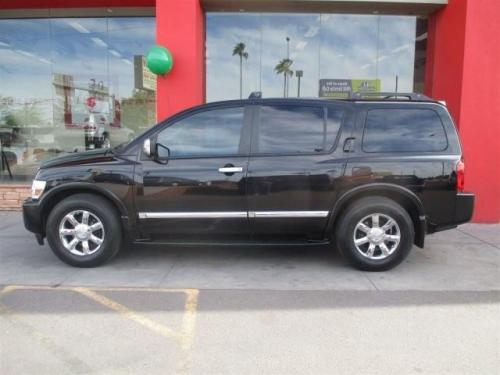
x: 32, y: 217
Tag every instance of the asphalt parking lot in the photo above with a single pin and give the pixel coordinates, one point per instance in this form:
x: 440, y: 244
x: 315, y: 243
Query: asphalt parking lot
x: 227, y: 310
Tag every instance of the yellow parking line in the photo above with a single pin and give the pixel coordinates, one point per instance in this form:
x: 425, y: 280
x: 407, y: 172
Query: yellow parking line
x: 184, y: 338
x: 127, y: 312
x: 188, y: 330
x: 7, y: 289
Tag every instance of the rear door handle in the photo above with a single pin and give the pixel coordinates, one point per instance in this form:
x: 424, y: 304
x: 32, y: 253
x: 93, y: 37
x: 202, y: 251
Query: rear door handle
x: 231, y: 169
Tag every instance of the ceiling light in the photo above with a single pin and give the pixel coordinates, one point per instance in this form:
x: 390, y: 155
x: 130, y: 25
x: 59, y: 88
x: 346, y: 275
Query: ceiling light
x: 25, y: 53
x: 44, y: 60
x: 75, y: 25
x: 312, y: 31
x: 99, y: 42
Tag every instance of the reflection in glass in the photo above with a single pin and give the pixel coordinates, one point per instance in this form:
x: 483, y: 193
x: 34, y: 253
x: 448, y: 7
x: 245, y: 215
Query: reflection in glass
x: 296, y: 130
x: 224, y: 32
x: 68, y: 85
x: 403, y: 130
x: 209, y: 133
x: 327, y: 54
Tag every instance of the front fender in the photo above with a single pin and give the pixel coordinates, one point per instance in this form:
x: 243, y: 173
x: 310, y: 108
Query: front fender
x: 81, y: 187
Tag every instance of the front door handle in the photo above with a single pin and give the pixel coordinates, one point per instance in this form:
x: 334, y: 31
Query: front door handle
x: 231, y: 169
x: 349, y: 144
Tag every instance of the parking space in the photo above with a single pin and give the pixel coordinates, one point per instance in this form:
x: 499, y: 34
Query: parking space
x: 251, y: 310
x: 82, y: 330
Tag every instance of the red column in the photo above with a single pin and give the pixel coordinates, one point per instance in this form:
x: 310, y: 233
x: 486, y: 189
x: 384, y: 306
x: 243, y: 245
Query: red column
x: 180, y: 27
x: 464, y: 54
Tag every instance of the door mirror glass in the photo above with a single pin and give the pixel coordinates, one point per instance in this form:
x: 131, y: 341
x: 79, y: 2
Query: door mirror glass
x: 162, y: 153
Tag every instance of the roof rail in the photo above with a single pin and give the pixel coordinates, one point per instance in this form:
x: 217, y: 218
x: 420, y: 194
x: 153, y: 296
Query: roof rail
x: 390, y: 96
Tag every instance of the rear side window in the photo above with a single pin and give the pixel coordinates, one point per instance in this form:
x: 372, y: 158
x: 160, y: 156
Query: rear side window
x: 297, y: 129
x: 403, y: 130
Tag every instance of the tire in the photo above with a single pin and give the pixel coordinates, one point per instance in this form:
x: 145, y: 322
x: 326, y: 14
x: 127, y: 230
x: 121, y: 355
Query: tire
x: 101, y: 214
x: 368, y: 252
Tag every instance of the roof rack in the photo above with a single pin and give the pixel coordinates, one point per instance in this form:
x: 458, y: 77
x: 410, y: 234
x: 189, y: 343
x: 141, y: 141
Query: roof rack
x: 390, y: 96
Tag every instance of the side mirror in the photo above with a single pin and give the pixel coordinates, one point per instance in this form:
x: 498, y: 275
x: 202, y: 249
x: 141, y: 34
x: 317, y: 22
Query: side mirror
x: 146, y: 147
x: 162, y: 153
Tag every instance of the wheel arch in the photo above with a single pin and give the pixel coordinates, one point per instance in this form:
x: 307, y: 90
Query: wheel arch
x: 401, y: 195
x: 57, y: 194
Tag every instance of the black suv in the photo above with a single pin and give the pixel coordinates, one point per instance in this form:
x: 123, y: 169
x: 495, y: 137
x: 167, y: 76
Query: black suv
x: 371, y: 175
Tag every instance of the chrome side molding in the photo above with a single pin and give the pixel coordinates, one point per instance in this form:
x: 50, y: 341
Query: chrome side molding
x: 271, y: 214
x: 231, y: 214
x: 191, y: 215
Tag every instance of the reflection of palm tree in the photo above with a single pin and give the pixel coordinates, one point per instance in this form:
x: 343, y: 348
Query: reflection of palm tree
x: 239, y: 50
x: 283, y: 67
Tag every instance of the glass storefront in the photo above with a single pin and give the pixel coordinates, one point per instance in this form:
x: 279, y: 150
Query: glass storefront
x: 71, y: 84
x: 74, y: 84
x: 311, y: 55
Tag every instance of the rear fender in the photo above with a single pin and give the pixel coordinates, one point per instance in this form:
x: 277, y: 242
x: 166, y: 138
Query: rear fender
x: 408, y: 199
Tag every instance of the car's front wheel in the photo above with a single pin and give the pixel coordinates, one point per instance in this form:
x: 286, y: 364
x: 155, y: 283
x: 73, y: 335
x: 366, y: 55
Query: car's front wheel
x: 83, y: 230
x: 375, y: 234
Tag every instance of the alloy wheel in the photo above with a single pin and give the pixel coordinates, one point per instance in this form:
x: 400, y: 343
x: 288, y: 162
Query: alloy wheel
x: 81, y: 232
x: 377, y: 236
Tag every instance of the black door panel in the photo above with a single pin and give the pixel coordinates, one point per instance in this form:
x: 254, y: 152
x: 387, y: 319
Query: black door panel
x: 200, y: 194
x: 290, y: 193
x: 192, y: 196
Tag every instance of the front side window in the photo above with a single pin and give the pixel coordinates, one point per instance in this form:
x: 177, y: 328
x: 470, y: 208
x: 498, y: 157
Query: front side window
x: 296, y: 130
x: 212, y: 133
x: 404, y: 130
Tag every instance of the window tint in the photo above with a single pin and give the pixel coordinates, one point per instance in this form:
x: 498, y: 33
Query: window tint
x: 403, y: 130
x: 211, y: 133
x: 297, y: 129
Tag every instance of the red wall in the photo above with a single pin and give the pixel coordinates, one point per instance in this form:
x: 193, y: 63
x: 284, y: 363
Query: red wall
x: 180, y: 26
x: 463, y: 69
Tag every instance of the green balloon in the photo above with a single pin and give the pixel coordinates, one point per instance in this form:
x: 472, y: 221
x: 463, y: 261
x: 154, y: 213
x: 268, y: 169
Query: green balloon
x: 159, y: 60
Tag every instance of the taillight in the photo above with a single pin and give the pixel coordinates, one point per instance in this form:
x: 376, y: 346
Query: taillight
x: 460, y: 175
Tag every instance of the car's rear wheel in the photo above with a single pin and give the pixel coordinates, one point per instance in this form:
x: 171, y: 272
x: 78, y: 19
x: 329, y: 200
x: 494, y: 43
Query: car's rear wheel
x: 375, y: 234
x: 84, y: 230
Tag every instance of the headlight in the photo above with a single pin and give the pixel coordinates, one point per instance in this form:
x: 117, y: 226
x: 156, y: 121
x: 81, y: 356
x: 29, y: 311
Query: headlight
x: 37, y: 188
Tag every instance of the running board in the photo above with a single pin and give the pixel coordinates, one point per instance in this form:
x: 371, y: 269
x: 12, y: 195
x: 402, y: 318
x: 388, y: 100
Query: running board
x: 230, y: 243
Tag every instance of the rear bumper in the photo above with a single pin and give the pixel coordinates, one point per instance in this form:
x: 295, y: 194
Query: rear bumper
x: 464, y: 208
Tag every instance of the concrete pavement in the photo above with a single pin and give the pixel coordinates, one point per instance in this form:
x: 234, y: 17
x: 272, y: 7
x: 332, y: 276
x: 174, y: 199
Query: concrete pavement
x: 467, y: 258
x: 165, y: 310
